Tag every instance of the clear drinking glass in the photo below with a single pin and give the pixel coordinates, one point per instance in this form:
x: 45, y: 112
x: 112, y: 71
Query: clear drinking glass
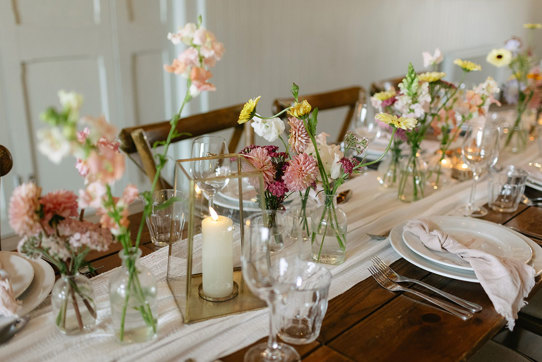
x: 269, y: 276
x: 479, y: 147
x: 166, y: 221
x: 207, y: 146
x: 506, y: 189
x: 304, y: 307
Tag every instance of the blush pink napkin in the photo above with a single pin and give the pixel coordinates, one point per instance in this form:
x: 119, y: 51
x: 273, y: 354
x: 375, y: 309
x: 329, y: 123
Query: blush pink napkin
x: 506, y: 281
x: 8, y: 303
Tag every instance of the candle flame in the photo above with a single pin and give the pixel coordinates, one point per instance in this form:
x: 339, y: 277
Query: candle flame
x: 198, y: 190
x: 213, y: 213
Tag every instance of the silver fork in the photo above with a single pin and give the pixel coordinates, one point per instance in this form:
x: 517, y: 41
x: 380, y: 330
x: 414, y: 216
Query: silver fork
x: 392, y: 275
x: 394, y: 287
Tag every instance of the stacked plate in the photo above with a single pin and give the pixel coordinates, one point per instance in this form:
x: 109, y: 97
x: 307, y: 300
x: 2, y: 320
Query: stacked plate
x: 535, y: 175
x: 479, y: 234
x: 32, y: 280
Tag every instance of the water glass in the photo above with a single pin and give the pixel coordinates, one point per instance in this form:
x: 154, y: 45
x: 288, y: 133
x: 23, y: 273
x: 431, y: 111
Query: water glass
x: 304, y: 306
x: 506, y: 189
x: 166, y: 221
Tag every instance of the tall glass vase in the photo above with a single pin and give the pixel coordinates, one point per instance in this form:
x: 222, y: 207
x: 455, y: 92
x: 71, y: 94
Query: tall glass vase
x: 132, y: 294
x: 412, y: 181
x: 389, y: 171
x: 73, y: 304
x: 328, y: 233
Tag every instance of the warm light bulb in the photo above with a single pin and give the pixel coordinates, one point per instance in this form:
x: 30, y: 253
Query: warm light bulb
x: 213, y: 213
x: 198, y: 190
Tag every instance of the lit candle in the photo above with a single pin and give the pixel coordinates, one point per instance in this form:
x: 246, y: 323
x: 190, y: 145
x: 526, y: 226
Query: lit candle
x: 217, y: 255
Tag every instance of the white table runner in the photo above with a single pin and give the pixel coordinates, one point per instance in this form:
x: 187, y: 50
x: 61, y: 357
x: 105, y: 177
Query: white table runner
x: 371, y: 209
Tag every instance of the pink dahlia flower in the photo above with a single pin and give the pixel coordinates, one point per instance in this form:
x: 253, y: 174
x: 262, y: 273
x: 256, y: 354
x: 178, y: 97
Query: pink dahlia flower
x: 23, y: 207
x: 299, y: 138
x: 301, y: 172
x: 62, y: 203
x: 260, y: 159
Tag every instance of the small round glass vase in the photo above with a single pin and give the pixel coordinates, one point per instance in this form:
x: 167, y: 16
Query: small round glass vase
x: 132, y: 294
x: 438, y: 170
x: 72, y: 299
x: 412, y: 183
x: 388, y: 171
x: 517, y: 136
x: 328, y: 233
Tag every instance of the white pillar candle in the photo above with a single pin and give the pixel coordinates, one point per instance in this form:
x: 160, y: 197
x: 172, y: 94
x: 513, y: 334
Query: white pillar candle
x: 217, y: 255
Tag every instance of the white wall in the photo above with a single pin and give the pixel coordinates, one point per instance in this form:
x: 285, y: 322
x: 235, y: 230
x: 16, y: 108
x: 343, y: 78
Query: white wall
x: 323, y: 44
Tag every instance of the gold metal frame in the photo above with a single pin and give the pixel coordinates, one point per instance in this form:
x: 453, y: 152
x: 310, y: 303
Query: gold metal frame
x: 185, y: 288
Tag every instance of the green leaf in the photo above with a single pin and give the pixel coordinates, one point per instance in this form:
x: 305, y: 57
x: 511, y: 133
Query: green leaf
x: 200, y: 20
x: 166, y: 203
x: 295, y: 91
x: 158, y: 144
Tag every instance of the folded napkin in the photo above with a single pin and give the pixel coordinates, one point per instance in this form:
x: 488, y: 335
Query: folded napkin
x: 506, y: 281
x: 535, y: 171
x: 8, y: 303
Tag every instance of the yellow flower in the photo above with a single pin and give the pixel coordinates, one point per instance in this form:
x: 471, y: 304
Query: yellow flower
x: 467, y: 65
x: 382, y: 96
x: 532, y: 26
x: 431, y: 77
x: 299, y: 109
x: 248, y: 111
x: 399, y: 122
x: 499, y: 57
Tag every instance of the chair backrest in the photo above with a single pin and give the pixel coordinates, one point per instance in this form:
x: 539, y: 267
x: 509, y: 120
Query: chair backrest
x: 137, y: 141
x: 346, y: 97
x: 384, y: 85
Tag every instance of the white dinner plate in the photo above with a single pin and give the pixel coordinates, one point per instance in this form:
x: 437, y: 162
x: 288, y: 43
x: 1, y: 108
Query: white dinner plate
x: 396, y: 241
x: 19, y: 270
x: 473, y: 233
x: 44, y: 279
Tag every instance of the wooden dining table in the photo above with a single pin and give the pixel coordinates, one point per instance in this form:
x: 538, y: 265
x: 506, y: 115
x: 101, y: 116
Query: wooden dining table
x: 369, y: 323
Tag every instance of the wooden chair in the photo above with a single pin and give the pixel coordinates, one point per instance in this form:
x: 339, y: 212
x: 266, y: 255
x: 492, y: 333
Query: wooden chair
x: 346, y: 97
x: 137, y: 141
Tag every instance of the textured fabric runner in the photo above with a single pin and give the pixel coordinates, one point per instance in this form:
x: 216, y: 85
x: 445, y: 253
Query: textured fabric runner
x: 372, y: 209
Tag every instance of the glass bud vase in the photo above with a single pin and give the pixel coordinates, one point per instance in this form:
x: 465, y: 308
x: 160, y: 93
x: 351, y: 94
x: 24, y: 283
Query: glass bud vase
x: 72, y: 299
x: 132, y: 294
x: 438, y: 170
x: 517, y: 137
x: 389, y: 170
x: 328, y: 233
x: 412, y: 182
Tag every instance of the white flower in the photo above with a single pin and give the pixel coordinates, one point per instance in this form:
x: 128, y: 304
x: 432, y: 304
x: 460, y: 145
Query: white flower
x: 329, y: 154
x: 429, y: 60
x: 184, y: 35
x: 488, y: 87
x: 270, y: 129
x: 513, y: 45
x: 56, y: 247
x: 70, y: 100
x: 53, y: 144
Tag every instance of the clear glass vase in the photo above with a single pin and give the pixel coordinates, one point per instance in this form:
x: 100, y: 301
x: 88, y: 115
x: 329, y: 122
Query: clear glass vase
x: 517, y: 136
x: 412, y: 181
x: 438, y: 170
x: 388, y: 170
x: 132, y: 294
x: 328, y: 233
x: 72, y: 299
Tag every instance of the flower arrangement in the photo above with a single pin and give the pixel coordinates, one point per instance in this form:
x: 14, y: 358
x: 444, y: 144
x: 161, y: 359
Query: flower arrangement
x: 101, y: 164
x: 524, y: 87
x: 51, y: 229
x: 308, y: 161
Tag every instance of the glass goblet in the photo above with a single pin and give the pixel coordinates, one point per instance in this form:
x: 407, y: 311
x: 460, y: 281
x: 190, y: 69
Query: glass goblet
x: 480, y: 145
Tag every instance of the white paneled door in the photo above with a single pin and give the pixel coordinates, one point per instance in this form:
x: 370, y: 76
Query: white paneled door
x: 110, y: 51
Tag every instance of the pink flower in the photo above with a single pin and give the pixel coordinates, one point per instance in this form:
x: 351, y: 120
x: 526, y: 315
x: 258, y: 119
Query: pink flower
x: 260, y: 159
x: 299, y: 138
x: 84, y: 233
x: 92, y: 195
x: 176, y: 67
x: 82, y: 167
x: 105, y: 164
x: 83, y: 135
x: 301, y: 172
x: 109, y: 223
x: 100, y: 128
x: 199, y: 77
x: 348, y: 165
x: 23, y: 207
x: 277, y: 188
x: 184, y: 35
x: 129, y: 195
x: 184, y: 62
x: 58, y: 203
